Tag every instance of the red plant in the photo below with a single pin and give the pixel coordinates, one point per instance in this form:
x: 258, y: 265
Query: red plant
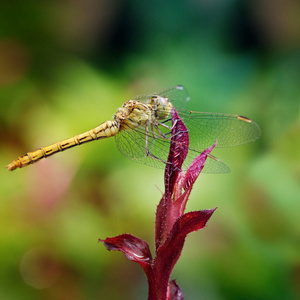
x: 172, y: 224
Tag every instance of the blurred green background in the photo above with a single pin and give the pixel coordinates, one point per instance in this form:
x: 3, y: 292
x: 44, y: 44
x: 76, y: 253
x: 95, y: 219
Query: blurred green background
x: 66, y: 66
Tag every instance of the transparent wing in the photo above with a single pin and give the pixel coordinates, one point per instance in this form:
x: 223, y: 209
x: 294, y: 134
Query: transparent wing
x: 178, y: 95
x: 204, y: 130
x: 229, y: 130
x: 132, y: 144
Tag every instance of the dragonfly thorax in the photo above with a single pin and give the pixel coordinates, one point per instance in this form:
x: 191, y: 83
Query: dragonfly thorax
x: 162, y: 107
x: 133, y: 114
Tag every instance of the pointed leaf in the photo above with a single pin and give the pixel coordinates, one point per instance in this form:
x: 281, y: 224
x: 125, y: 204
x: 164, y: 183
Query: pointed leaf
x: 133, y: 247
x: 195, y: 168
x: 174, y: 291
x: 135, y: 250
x: 168, y: 254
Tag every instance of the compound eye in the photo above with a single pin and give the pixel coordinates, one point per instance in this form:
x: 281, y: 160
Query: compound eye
x: 163, y: 101
x: 163, y: 107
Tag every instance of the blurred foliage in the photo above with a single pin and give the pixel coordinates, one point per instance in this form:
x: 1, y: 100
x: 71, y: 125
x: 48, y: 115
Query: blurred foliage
x: 66, y: 66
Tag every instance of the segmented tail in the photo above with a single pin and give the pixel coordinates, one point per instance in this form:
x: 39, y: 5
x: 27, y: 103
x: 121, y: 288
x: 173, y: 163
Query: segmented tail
x: 104, y: 130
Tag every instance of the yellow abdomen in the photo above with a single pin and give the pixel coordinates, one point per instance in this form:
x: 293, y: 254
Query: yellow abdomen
x: 104, y: 130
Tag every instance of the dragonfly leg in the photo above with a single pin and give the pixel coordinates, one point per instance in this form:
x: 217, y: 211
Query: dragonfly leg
x: 147, y: 152
x: 166, y: 126
x: 150, y: 155
x: 163, y: 135
x: 167, y: 135
x: 160, y: 133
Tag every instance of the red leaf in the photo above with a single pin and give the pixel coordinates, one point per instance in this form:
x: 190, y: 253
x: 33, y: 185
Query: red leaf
x: 178, y: 152
x: 174, y: 291
x: 165, y: 215
x: 195, y: 168
x: 168, y: 254
x: 133, y: 247
x: 137, y: 250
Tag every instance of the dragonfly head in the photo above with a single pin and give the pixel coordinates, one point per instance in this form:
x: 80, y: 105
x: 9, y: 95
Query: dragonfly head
x: 162, y: 105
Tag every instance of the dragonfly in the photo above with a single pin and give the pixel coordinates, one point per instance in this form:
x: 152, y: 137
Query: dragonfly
x: 142, y: 131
